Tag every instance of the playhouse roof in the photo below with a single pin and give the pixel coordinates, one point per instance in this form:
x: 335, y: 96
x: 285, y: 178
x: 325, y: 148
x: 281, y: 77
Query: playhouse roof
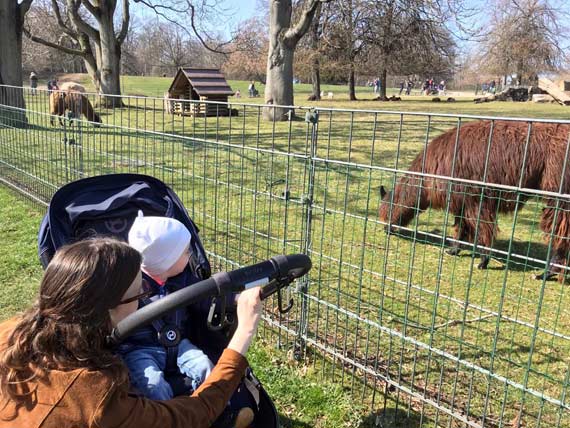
x: 205, y: 81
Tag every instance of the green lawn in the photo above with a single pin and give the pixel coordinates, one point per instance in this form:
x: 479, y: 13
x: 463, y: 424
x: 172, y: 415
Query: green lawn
x: 389, y: 306
x: 157, y: 87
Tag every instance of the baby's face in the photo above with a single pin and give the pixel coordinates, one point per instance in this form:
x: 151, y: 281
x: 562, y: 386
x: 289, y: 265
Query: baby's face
x: 180, y: 264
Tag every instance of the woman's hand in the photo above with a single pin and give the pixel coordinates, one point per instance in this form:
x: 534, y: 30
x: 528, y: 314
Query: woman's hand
x: 249, y: 314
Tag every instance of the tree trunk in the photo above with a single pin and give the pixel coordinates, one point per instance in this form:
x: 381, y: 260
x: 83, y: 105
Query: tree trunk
x: 283, y: 40
x: 279, y: 86
x: 351, y: 83
x: 316, y: 79
x: 315, y: 66
x: 110, y: 61
x: 11, y: 20
x: 383, y: 81
x: 103, y: 65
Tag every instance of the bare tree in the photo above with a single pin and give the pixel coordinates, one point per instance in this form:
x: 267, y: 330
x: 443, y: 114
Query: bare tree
x: 346, y: 39
x: 12, y: 16
x: 163, y: 47
x: 283, y: 39
x: 44, y: 59
x: 93, y: 24
x: 412, y: 33
x: 526, y: 37
x: 248, y: 57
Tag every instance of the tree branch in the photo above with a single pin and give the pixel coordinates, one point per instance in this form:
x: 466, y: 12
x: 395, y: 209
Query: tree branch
x: 93, y: 10
x: 189, y: 9
x: 60, y: 22
x: 293, y: 35
x: 53, y: 45
x: 72, y: 9
x: 125, y: 25
x: 23, y: 8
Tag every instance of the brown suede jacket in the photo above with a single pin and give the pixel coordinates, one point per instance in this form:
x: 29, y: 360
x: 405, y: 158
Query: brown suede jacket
x: 82, y: 398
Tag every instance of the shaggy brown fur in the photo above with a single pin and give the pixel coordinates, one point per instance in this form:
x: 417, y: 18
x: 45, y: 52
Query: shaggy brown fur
x: 76, y: 102
x: 542, y: 170
x: 72, y: 86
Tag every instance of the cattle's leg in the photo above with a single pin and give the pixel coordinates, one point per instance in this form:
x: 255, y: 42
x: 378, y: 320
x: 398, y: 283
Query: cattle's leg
x: 552, y: 271
x: 482, y: 222
x: 485, y: 258
x: 460, y: 234
x: 485, y: 238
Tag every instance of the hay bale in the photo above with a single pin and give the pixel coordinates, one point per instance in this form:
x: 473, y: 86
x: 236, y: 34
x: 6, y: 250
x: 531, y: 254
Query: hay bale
x: 542, y: 98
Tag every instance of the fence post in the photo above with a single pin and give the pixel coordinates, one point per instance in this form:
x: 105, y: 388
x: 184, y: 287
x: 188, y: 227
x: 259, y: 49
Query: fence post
x: 312, y: 119
x: 65, y: 143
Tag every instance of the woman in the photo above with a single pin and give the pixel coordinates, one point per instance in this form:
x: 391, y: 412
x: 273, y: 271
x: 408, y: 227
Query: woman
x: 56, y: 371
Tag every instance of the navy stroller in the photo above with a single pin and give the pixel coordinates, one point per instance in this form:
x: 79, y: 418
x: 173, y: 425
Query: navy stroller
x: 107, y: 205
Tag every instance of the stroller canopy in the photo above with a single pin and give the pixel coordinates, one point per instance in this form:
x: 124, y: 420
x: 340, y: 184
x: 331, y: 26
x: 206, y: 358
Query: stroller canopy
x: 107, y: 206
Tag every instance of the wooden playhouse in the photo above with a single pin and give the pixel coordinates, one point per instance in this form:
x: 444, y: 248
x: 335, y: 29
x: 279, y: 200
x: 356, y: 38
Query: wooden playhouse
x: 193, y: 85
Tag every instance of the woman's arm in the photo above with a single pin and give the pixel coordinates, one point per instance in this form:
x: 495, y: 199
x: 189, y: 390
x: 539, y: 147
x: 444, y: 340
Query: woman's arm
x: 123, y: 410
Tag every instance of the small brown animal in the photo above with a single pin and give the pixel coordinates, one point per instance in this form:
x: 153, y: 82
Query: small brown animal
x: 436, y: 100
x: 75, y: 102
x: 475, y: 207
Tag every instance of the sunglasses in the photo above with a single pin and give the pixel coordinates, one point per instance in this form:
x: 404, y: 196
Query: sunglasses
x: 141, y: 295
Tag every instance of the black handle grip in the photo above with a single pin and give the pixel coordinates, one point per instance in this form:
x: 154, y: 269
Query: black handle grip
x: 272, y: 273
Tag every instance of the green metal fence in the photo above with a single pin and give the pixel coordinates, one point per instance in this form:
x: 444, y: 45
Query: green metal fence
x: 411, y: 331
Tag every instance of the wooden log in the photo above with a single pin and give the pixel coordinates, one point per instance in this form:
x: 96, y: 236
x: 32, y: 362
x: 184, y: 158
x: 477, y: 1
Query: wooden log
x: 553, y: 90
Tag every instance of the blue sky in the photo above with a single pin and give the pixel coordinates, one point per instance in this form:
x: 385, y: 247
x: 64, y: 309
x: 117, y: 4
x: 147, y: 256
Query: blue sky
x: 235, y: 12
x: 244, y: 8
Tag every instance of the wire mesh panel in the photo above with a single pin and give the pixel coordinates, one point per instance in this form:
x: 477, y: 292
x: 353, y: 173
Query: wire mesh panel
x: 423, y: 301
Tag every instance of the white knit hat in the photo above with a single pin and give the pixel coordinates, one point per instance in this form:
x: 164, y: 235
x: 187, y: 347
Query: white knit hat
x: 160, y: 240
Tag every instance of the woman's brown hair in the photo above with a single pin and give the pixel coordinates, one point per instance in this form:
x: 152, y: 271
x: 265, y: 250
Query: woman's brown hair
x: 66, y: 327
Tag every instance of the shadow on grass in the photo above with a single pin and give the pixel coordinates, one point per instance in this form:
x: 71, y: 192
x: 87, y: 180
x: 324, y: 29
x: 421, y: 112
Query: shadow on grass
x: 287, y: 422
x: 391, y: 418
x: 534, y: 250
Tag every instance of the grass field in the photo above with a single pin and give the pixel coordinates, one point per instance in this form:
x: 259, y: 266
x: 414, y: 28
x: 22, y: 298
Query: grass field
x: 157, y: 86
x: 387, y: 309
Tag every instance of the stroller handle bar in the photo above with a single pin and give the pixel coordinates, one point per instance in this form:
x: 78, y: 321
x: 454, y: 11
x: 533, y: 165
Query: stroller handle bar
x: 271, y: 275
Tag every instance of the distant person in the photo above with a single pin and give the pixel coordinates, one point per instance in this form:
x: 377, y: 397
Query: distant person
x: 426, y: 88
x: 402, y: 84
x: 409, y: 87
x: 251, y: 89
x: 376, y: 85
x: 33, y: 83
x: 52, y: 85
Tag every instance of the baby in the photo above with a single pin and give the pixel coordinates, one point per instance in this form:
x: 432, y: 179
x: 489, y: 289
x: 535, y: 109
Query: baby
x: 164, y: 245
